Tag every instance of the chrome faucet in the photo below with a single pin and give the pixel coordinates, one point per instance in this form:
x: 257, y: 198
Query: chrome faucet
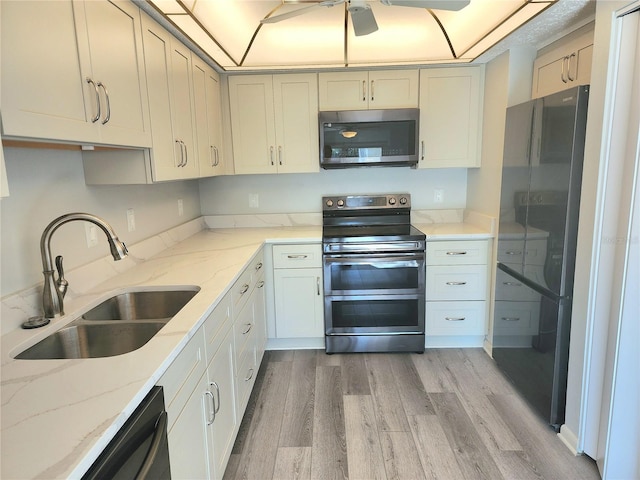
x: 55, y: 289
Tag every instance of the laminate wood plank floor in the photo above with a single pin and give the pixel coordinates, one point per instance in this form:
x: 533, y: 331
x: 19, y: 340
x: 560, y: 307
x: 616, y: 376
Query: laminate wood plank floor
x: 446, y: 414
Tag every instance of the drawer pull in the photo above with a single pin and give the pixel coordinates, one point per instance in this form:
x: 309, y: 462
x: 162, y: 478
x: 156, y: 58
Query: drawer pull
x: 511, y: 319
x: 456, y: 253
x: 456, y: 284
x: 455, y: 319
x: 245, y: 289
x: 258, y: 266
x: 246, y: 379
x: 260, y: 284
x: 512, y: 284
x: 216, y: 403
x: 297, y: 257
x: 513, y: 252
x: 212, y: 415
x: 249, y: 327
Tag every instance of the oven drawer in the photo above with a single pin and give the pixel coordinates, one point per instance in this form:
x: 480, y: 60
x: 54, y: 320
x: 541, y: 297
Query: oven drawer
x: 455, y: 318
x: 297, y: 256
x: 451, y: 282
x: 458, y: 252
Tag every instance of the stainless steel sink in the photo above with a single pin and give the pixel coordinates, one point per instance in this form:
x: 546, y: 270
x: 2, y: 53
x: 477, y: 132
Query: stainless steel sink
x: 120, y: 324
x: 141, y: 305
x: 93, y: 340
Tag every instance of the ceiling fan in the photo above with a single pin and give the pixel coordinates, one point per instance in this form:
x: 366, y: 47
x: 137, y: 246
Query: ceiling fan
x: 362, y: 17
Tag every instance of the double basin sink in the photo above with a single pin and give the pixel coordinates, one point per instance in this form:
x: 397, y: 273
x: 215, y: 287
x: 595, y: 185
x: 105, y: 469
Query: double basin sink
x: 118, y: 325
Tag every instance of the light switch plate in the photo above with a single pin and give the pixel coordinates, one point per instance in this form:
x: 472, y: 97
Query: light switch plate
x: 131, y: 220
x: 91, y: 232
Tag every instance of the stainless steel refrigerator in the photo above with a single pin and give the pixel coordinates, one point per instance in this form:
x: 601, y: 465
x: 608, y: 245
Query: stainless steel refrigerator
x: 537, y: 234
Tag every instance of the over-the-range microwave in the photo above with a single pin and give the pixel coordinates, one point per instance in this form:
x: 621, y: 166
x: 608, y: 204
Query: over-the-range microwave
x: 359, y: 138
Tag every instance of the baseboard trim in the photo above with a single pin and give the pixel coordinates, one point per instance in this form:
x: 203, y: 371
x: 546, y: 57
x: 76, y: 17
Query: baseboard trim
x: 569, y: 439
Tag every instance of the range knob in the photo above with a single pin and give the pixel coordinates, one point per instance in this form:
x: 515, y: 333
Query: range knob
x: 329, y: 203
x: 341, y: 203
x: 392, y: 201
x: 403, y: 200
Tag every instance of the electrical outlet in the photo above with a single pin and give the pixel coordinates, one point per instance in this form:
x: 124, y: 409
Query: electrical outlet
x: 438, y: 195
x: 254, y: 200
x: 91, y: 232
x: 180, y: 207
x: 131, y: 220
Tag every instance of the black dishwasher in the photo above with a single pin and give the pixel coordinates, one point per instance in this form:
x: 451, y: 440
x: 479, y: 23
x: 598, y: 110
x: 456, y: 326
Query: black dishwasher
x: 140, y: 449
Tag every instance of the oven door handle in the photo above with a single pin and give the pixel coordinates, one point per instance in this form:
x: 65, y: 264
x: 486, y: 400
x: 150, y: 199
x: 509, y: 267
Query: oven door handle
x: 374, y: 247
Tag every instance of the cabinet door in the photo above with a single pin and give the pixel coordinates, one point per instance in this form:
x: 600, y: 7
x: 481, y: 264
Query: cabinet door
x: 157, y: 48
x: 450, y: 117
x: 222, y: 428
x: 182, y: 104
x: 299, y: 302
x: 295, y: 101
x: 113, y: 34
x: 206, y: 89
x: 252, y: 129
x: 42, y: 83
x: 343, y: 90
x: 393, y: 89
x: 188, y: 437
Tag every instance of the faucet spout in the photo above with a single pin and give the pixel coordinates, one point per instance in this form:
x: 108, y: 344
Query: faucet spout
x: 55, y: 289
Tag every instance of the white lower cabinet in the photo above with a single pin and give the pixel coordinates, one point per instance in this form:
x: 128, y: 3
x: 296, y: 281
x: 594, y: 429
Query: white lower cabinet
x: 208, y: 385
x: 456, y: 292
x: 298, y: 290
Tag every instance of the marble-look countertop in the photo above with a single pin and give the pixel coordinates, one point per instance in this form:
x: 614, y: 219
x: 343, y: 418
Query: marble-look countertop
x: 58, y: 415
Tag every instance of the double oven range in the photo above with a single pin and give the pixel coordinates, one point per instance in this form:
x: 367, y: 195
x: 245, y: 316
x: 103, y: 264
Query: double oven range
x: 374, y: 275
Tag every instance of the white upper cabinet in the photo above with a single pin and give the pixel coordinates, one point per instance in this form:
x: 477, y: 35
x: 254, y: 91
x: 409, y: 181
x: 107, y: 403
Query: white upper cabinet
x: 364, y: 90
x: 74, y: 72
x: 566, y: 65
x: 274, y: 123
x: 451, y: 102
x: 208, y: 116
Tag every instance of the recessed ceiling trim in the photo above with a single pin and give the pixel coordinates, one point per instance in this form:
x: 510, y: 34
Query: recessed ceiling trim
x: 513, y: 14
x: 444, y: 32
x: 253, y: 38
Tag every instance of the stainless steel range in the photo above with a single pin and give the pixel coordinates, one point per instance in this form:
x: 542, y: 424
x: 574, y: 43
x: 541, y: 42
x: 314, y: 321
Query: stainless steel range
x: 374, y: 274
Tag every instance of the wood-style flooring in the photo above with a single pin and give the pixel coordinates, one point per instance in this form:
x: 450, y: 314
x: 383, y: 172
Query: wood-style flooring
x: 446, y: 414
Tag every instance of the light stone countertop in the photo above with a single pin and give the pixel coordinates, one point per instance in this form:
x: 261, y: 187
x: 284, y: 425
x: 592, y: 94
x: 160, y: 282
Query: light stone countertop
x: 58, y: 415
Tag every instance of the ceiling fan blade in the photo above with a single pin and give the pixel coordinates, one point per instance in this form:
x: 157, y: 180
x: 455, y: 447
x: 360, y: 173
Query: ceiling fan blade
x: 433, y: 4
x: 363, y: 20
x: 301, y: 11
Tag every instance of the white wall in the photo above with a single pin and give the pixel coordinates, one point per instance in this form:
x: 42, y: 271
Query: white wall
x: 47, y: 183
x: 301, y: 193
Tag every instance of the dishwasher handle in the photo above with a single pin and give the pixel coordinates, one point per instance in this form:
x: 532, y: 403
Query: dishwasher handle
x: 156, y: 444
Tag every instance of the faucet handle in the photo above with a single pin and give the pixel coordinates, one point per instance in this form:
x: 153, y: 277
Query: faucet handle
x: 61, y: 282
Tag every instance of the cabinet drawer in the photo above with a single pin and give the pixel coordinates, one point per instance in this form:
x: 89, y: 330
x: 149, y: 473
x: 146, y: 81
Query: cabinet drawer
x: 241, y: 290
x: 452, y: 282
x: 297, y: 256
x: 243, y: 329
x: 183, y: 375
x: 216, y: 326
x: 516, y: 318
x: 455, y: 318
x: 462, y: 252
x: 247, y: 371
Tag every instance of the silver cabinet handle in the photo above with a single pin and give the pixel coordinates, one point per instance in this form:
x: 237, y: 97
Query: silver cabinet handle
x: 364, y: 90
x: 571, y: 79
x: 455, y: 319
x: 186, y: 154
x: 271, y: 154
x: 565, y: 60
x: 179, y: 142
x: 372, y: 95
x: 217, y: 152
x: 95, y: 87
x: 512, y: 284
x: 108, y: 102
x: 212, y: 415
x: 511, y: 319
x: 456, y: 284
x: 318, y: 285
x: 513, y: 252
x: 216, y: 403
x: 422, y: 149
x: 249, y: 327
x: 456, y: 253
x: 250, y: 375
x: 258, y: 266
x: 297, y: 257
x: 212, y: 155
x: 244, y: 289
x: 280, y: 154
x: 260, y: 284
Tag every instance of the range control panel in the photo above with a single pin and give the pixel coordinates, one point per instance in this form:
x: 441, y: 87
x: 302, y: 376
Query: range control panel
x: 366, y: 202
